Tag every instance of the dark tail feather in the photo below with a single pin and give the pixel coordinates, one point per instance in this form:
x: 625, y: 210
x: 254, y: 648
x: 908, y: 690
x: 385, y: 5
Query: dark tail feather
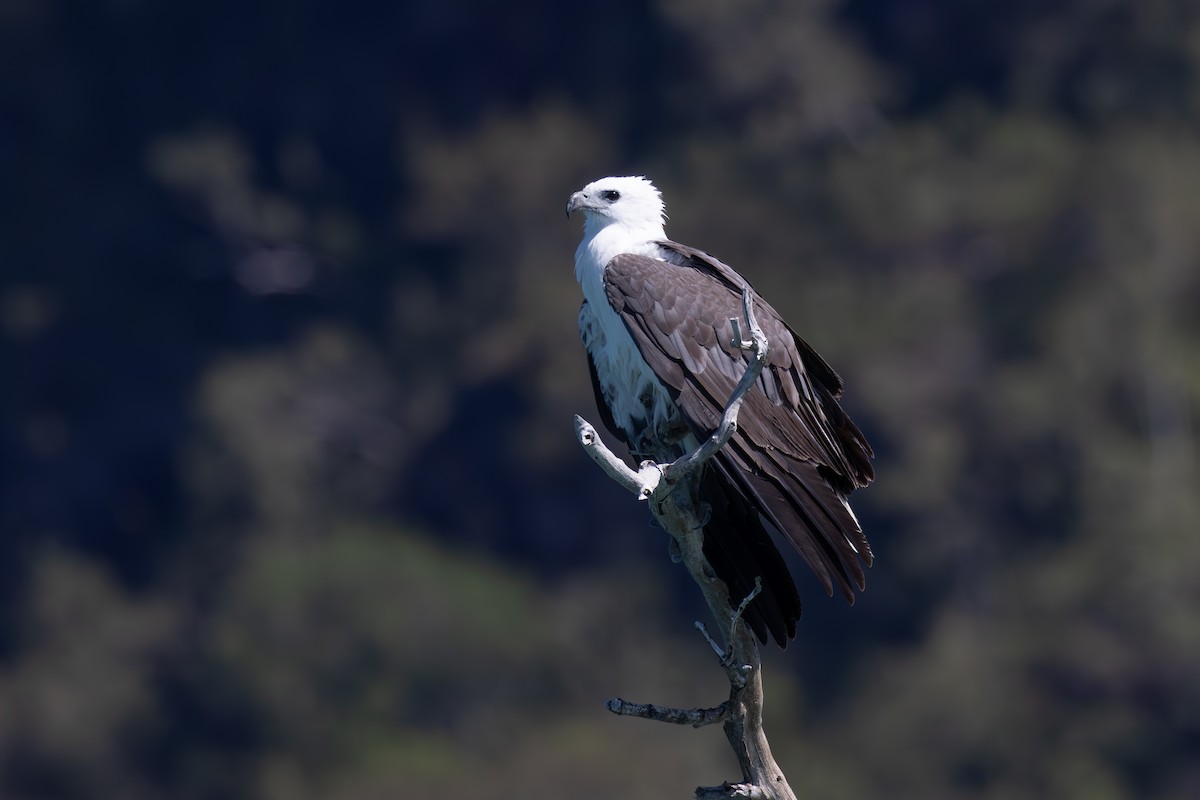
x: 739, y: 549
x: 810, y: 513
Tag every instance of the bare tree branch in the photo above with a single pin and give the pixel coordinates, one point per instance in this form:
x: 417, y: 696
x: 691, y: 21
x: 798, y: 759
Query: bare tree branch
x: 643, y: 482
x: 696, y: 717
x: 671, y: 488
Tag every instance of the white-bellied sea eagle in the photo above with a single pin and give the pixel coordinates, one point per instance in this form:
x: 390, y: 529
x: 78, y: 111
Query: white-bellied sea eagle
x: 655, y: 324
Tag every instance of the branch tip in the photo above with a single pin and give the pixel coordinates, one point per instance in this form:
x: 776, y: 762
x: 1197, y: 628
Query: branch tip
x: 716, y: 648
x: 584, y: 431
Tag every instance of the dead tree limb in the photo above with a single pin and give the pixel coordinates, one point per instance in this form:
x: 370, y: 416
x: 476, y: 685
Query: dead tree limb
x: 671, y: 489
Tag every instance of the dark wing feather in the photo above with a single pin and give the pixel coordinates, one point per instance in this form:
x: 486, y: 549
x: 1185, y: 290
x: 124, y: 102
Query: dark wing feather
x: 812, y: 378
x: 795, y: 456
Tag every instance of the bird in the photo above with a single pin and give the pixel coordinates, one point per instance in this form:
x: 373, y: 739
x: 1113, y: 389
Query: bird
x: 655, y: 324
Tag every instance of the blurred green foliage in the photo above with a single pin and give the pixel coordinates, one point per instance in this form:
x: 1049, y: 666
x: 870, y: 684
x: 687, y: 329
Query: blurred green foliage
x: 290, y: 502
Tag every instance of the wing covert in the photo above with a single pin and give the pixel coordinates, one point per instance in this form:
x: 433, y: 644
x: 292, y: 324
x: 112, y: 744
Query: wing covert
x: 796, y: 455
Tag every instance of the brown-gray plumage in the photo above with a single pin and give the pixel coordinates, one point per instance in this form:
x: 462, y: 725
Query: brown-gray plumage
x: 795, y: 456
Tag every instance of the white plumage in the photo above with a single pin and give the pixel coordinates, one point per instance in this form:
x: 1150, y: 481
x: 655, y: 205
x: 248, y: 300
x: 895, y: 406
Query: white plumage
x: 633, y: 392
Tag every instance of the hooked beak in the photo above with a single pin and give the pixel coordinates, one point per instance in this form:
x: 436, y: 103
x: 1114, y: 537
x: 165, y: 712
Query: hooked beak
x: 577, y: 201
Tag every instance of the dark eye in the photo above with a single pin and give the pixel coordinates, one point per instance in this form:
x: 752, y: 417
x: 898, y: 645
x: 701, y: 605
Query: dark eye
x: 611, y: 195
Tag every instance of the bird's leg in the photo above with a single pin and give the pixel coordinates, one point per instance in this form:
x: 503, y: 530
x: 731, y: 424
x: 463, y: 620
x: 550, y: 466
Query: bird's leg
x: 660, y: 442
x: 672, y: 432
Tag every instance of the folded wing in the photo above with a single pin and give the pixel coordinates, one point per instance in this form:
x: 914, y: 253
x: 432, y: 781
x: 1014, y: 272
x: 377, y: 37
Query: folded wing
x: 795, y: 457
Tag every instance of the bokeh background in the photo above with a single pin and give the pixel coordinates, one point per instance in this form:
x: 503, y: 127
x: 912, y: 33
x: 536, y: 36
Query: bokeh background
x: 291, y: 505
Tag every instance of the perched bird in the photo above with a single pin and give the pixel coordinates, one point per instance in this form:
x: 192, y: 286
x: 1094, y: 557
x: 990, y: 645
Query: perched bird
x: 655, y: 323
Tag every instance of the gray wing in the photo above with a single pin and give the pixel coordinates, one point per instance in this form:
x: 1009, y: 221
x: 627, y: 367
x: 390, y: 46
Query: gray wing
x: 796, y: 456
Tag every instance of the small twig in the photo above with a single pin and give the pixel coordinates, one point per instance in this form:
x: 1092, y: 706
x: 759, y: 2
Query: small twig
x: 737, y: 673
x: 741, y: 609
x: 696, y: 717
x: 716, y: 648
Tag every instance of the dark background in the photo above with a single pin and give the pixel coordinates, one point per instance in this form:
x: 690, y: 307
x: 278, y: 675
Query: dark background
x: 290, y: 505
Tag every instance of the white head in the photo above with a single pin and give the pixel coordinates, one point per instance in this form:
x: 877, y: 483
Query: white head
x: 632, y: 203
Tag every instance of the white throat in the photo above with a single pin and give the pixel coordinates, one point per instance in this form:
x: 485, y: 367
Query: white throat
x: 604, y: 240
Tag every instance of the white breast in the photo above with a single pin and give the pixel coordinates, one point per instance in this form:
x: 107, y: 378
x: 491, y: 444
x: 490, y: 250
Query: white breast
x: 632, y: 392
